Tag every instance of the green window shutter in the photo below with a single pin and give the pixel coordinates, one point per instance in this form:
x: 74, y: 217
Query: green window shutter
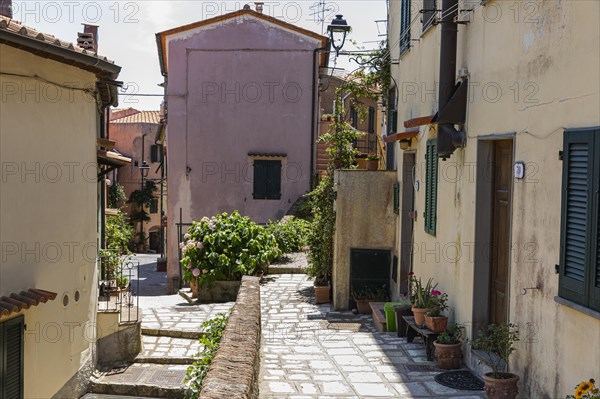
x: 397, y: 198
x: 154, y: 206
x: 11, y: 358
x: 431, y: 177
x: 577, y: 224
x: 393, y: 122
x: 428, y: 13
x: 594, y: 286
x: 267, y: 180
x: 405, y: 19
x: 260, y: 180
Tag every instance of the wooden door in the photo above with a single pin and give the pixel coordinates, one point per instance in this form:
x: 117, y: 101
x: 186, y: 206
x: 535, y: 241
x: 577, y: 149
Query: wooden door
x: 501, y: 174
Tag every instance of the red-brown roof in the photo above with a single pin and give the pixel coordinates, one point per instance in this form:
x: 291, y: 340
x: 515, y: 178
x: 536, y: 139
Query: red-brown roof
x: 140, y: 117
x: 14, y: 303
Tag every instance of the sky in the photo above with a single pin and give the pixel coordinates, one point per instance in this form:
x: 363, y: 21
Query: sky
x: 127, y: 30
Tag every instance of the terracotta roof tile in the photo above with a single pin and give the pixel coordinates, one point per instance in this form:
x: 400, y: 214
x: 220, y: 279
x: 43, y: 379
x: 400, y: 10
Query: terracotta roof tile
x: 13, y: 26
x: 14, y: 303
x: 140, y: 117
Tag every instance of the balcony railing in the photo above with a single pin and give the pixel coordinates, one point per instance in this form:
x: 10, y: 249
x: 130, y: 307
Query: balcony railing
x: 119, y: 285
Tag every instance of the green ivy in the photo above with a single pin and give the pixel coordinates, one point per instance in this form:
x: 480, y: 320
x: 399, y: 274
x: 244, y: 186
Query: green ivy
x: 226, y: 247
x: 196, y: 373
x: 116, y: 196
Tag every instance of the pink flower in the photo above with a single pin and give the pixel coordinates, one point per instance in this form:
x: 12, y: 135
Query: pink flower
x: 411, y: 274
x: 305, y: 248
x: 436, y: 292
x: 199, y: 245
x: 196, y: 272
x: 181, y: 245
x: 187, y: 236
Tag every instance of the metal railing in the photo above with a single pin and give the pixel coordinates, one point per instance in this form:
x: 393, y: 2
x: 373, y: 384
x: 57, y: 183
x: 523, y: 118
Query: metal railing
x: 119, y: 285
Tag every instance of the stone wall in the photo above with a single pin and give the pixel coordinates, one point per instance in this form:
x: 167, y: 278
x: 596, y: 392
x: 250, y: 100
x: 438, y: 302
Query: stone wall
x: 364, y: 219
x: 234, y: 371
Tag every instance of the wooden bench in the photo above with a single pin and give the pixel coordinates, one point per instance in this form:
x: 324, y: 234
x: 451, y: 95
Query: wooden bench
x: 412, y: 330
x: 378, y: 314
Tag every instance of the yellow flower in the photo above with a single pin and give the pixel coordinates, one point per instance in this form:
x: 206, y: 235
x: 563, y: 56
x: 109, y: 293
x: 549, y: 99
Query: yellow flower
x: 585, y: 386
x: 578, y: 393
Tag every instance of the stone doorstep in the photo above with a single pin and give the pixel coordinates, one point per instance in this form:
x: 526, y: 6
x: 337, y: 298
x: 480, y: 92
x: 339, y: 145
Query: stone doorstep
x: 283, y: 269
x: 165, y: 360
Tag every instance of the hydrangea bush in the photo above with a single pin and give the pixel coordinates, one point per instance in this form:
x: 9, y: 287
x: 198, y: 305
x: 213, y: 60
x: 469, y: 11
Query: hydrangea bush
x: 225, y: 247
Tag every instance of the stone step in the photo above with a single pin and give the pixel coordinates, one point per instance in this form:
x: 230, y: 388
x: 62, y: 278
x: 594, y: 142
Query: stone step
x: 145, y: 380
x: 168, y: 350
x: 158, y: 332
x: 103, y: 396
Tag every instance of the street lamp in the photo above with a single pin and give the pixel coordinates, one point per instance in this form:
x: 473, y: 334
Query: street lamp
x: 338, y: 27
x: 144, y: 169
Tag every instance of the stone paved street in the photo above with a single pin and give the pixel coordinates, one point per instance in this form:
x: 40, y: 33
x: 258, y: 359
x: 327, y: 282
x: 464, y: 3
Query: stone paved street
x: 308, y: 351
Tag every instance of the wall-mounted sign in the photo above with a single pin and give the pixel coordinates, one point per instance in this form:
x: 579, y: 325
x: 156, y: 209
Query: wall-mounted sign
x: 519, y: 170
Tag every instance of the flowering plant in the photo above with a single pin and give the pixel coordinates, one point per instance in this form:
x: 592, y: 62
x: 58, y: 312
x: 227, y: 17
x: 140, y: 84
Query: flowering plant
x: 225, y: 247
x: 420, y: 295
x: 437, y: 303
x: 452, y: 334
x: 586, y: 390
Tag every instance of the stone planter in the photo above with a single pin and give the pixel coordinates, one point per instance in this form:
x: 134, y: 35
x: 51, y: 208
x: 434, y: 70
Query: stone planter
x: 322, y: 294
x: 362, y: 306
x: 501, y: 388
x: 217, y: 292
x: 436, y: 324
x: 419, y: 314
x: 448, y: 356
x: 372, y: 164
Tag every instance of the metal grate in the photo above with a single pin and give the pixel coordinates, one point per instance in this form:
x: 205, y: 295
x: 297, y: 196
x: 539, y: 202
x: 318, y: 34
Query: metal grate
x: 460, y: 379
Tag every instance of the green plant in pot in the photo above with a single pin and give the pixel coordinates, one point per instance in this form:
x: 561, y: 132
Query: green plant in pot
x: 420, y: 297
x: 497, y: 341
x: 367, y: 294
x: 434, y: 320
x: 372, y: 161
x: 448, y: 347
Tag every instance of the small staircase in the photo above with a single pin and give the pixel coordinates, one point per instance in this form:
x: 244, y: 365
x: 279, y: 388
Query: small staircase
x: 158, y: 371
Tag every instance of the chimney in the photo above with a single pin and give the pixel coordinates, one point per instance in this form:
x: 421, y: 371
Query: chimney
x: 6, y: 8
x: 259, y: 6
x: 89, y: 38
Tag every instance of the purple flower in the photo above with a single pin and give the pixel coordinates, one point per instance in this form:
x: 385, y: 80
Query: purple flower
x: 305, y: 248
x: 199, y: 245
x: 196, y: 272
x: 436, y: 293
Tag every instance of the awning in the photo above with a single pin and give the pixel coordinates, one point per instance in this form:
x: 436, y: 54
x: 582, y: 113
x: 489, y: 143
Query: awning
x: 420, y: 121
x: 112, y: 160
x: 409, y: 134
x: 267, y: 155
x: 14, y: 303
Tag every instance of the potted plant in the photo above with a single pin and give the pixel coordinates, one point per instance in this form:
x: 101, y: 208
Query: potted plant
x: 434, y: 320
x: 362, y: 298
x: 586, y: 390
x: 322, y: 289
x: 420, y: 297
x: 372, y: 161
x: 448, y: 347
x: 498, y: 343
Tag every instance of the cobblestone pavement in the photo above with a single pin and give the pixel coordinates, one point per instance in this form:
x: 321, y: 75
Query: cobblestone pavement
x: 306, y: 354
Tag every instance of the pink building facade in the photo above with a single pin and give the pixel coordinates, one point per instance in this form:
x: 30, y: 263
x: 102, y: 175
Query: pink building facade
x: 241, y: 118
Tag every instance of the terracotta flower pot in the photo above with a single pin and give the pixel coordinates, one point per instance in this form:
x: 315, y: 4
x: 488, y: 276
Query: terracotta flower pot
x: 372, y: 164
x: 448, y: 356
x: 436, y: 324
x: 362, y: 306
x: 501, y: 388
x: 419, y: 314
x: 322, y: 294
x: 194, y: 287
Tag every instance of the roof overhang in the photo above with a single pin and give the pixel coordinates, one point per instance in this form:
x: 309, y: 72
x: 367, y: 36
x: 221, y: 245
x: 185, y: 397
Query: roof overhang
x: 16, y: 302
x: 409, y: 134
x: 161, y: 37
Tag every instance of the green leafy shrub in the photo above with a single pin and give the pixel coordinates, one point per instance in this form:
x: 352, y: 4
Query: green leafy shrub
x: 290, y: 233
x: 498, y: 343
x: 119, y: 233
x: 196, y: 373
x: 116, y: 196
x: 226, y: 247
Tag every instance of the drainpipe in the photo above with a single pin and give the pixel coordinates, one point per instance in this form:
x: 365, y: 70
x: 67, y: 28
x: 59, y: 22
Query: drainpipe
x: 314, y: 123
x: 448, y: 137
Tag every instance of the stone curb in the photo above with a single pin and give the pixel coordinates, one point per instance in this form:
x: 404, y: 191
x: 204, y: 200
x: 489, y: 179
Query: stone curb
x: 234, y: 371
x: 128, y: 389
x: 164, y: 360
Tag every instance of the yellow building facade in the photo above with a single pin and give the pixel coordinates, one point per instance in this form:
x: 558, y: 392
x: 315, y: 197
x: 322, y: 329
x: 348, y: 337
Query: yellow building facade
x: 490, y: 234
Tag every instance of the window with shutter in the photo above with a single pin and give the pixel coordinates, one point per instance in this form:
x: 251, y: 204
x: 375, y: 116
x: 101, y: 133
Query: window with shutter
x: 580, y: 226
x: 11, y: 358
x: 267, y: 180
x: 431, y: 178
x: 156, y: 153
x: 371, y: 128
x: 154, y: 206
x: 393, y: 122
x: 405, y: 26
x: 428, y: 14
